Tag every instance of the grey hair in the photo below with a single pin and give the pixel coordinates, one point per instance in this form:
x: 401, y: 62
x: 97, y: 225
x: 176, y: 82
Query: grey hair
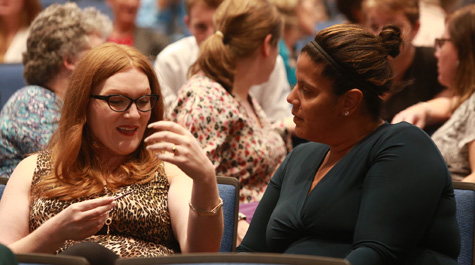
x: 60, y: 31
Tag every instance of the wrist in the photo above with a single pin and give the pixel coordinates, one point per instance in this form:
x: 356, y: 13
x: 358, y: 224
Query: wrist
x: 427, y: 109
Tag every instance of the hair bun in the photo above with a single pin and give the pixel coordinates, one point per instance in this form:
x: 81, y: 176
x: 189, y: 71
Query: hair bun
x: 390, y: 35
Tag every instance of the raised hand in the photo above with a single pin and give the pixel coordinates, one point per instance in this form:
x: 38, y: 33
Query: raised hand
x: 175, y: 144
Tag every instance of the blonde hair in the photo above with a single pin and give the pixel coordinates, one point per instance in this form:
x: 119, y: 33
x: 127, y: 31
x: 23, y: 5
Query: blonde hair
x: 76, y: 168
x: 243, y: 26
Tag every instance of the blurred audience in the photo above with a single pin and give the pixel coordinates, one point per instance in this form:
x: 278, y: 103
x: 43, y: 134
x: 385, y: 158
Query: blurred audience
x: 113, y: 151
x: 415, y: 67
x: 455, y: 52
x: 15, y: 19
x: 352, y: 11
x: 59, y: 37
x: 354, y: 192
x: 432, y: 19
x: 300, y: 20
x: 125, y: 31
x: 173, y: 62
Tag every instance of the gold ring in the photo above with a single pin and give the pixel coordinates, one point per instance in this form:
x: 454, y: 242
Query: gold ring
x: 174, y: 149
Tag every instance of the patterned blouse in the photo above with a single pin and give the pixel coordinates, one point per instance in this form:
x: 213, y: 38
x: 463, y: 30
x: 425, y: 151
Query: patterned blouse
x: 27, y: 122
x: 236, y: 144
x: 454, y: 136
x: 140, y: 224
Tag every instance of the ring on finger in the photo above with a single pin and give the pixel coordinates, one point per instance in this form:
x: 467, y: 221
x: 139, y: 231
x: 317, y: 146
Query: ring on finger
x: 174, y: 149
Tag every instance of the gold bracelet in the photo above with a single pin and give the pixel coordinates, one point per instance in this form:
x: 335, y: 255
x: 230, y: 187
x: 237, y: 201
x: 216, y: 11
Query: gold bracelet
x: 213, y: 211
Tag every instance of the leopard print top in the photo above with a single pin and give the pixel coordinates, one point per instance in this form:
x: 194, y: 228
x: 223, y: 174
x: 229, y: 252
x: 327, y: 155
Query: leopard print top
x: 140, y: 221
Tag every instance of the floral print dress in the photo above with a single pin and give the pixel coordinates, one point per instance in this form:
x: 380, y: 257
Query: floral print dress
x: 237, y: 145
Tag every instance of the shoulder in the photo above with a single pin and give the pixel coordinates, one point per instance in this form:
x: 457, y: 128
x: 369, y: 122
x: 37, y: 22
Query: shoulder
x: 204, y: 92
x: 34, y: 93
x: 202, y: 85
x: 28, y: 95
x: 400, y: 132
x: 32, y: 100
x: 25, y: 169
x: 181, y: 53
x: 404, y: 142
x: 183, y: 45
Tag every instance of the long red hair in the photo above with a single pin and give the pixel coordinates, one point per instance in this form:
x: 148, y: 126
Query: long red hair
x: 76, y: 168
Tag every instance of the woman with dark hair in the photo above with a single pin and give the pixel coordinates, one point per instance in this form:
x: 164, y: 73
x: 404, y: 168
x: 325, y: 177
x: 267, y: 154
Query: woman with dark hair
x: 115, y: 176
x: 354, y: 191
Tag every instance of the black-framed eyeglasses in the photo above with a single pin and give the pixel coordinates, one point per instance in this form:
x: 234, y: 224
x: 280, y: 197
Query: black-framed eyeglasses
x: 121, y: 103
x: 439, y: 42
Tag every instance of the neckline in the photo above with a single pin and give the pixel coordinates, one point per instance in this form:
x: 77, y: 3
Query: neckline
x: 362, y: 141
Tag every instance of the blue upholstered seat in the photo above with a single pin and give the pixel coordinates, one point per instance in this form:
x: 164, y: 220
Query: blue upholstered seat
x: 229, y: 192
x: 465, y: 199
x: 11, y: 79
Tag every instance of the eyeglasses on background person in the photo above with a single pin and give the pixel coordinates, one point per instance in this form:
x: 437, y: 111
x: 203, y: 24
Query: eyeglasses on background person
x: 439, y: 42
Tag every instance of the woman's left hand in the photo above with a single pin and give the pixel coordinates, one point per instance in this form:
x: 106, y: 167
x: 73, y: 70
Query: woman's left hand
x: 175, y: 144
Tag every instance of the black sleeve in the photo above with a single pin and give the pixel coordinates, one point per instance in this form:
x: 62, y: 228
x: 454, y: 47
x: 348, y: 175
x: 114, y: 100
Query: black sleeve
x: 399, y: 198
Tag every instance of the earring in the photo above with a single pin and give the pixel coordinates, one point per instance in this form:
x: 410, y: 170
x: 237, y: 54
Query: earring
x: 346, y: 113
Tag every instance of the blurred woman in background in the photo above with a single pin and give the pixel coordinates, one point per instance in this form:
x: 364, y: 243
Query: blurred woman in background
x: 15, y: 19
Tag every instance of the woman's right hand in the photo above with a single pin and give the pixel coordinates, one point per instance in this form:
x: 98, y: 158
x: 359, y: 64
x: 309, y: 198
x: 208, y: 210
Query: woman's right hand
x: 81, y: 220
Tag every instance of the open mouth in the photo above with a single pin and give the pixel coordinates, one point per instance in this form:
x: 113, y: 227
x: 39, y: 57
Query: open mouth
x: 127, y: 130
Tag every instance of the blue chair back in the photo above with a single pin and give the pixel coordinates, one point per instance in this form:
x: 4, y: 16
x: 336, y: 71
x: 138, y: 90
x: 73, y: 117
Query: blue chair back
x: 11, y: 79
x: 229, y: 191
x: 465, y: 199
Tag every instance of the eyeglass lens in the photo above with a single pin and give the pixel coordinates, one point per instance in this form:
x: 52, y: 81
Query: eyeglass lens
x: 440, y: 42
x: 122, y: 103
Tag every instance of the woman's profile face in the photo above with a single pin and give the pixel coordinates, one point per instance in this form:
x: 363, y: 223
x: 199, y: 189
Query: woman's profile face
x: 119, y: 132
x: 314, y: 104
x: 447, y: 59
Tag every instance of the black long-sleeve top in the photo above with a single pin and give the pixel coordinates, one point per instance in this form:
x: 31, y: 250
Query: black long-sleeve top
x: 389, y: 200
